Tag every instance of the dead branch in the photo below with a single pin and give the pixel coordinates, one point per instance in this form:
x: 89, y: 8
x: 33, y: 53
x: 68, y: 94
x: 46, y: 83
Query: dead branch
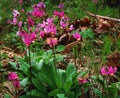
x: 103, y: 17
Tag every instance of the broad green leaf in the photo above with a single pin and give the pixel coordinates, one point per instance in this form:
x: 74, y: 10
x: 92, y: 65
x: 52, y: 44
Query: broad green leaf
x: 58, y: 81
x: 39, y: 85
x: 112, y: 89
x: 24, y: 82
x: 71, y: 70
x: 60, y: 48
x: 39, y: 65
x: 87, y: 33
x: 59, y: 57
x: 68, y: 84
x: 47, y: 75
x: 13, y: 64
x: 23, y: 65
x: 37, y: 93
x: 6, y: 96
x: 54, y: 92
x: 97, y: 92
x: 28, y: 96
x: 61, y: 96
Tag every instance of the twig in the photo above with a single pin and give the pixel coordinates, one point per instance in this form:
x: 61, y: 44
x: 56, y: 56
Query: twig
x: 104, y: 17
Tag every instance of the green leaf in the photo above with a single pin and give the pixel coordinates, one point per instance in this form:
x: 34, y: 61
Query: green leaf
x: 60, y: 48
x: 71, y: 70
x: 61, y: 96
x: 37, y: 93
x: 87, y: 33
x: 23, y: 65
x: 24, y: 82
x: 112, y: 89
x: 48, y: 76
x: 13, y: 64
x: 6, y: 96
x: 97, y: 92
x: 39, y: 85
x: 39, y: 65
x: 68, y: 84
x: 59, y: 57
x: 28, y: 96
x: 54, y: 92
x: 58, y: 81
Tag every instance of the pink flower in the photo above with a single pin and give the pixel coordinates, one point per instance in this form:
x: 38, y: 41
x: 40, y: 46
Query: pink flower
x: 64, y: 21
x: 59, y: 14
x: 42, y: 33
x: 51, y: 28
x: 14, y: 22
x: 61, y: 5
x: 41, y: 5
x: 20, y: 24
x: 16, y: 13
x: 82, y: 80
x: 20, y: 1
x: 77, y: 36
x: 12, y: 76
x: 112, y: 70
x: 71, y: 28
x: 95, y: 1
x: 105, y: 70
x: 22, y: 10
x: 37, y: 12
x: 16, y: 83
x: 30, y: 22
x: 52, y: 41
x: 28, y: 38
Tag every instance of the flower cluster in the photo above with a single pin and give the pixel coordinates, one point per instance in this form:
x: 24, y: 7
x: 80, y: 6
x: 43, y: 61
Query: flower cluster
x: 106, y: 70
x: 12, y: 76
x: 38, y: 10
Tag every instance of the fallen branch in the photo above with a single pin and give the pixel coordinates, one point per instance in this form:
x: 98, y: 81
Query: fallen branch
x: 104, y: 17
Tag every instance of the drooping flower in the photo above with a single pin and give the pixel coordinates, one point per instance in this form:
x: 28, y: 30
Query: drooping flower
x: 28, y: 38
x: 82, y: 80
x: 52, y: 41
x: 20, y: 1
x: 15, y: 21
x: 61, y: 5
x: 59, y: 14
x: 42, y: 33
x: 30, y: 21
x: 37, y: 12
x: 41, y: 5
x: 20, y: 24
x: 64, y: 21
x: 95, y: 1
x: 71, y: 28
x: 105, y: 70
x: 16, y: 13
x: 50, y: 28
x: 12, y: 76
x: 16, y: 83
x: 112, y: 70
x: 77, y: 36
x: 22, y: 10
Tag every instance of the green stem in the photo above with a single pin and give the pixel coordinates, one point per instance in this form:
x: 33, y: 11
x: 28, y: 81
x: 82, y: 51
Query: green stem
x: 30, y: 78
x: 55, y: 60
x: 54, y: 56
